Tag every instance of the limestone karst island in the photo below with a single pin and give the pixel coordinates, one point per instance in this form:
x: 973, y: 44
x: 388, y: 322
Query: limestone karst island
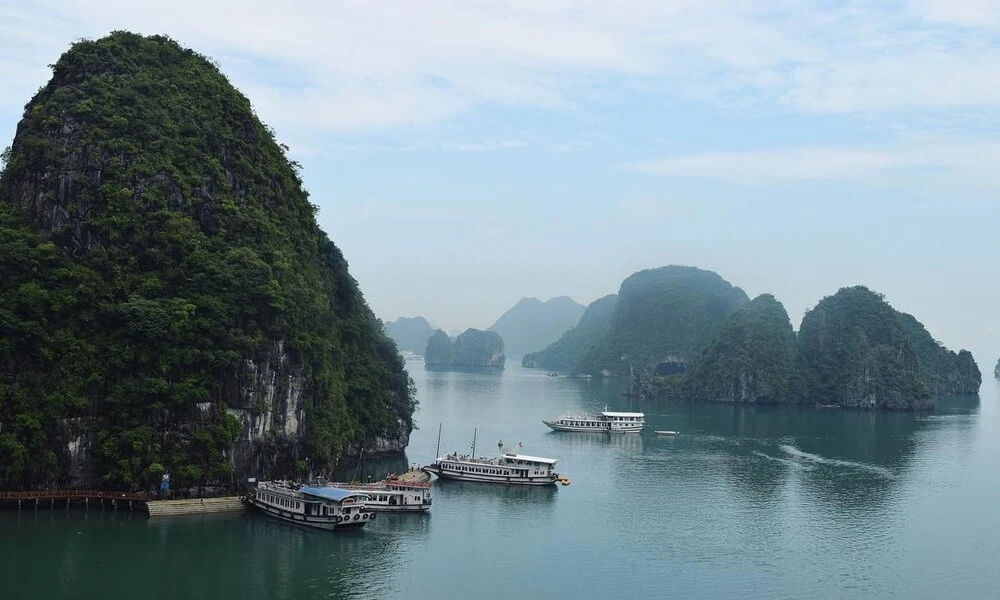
x: 169, y: 304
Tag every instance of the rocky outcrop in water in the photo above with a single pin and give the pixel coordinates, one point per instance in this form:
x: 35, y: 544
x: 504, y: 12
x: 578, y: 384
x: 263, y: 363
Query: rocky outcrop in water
x: 472, y: 348
x: 167, y: 301
x: 859, y: 355
x: 996, y: 369
x: 753, y: 359
x: 439, y: 349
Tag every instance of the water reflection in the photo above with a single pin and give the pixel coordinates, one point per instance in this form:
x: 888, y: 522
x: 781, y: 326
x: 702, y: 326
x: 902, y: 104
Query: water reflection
x: 852, y: 459
x: 627, y: 442
x: 470, y: 491
x: 437, y: 370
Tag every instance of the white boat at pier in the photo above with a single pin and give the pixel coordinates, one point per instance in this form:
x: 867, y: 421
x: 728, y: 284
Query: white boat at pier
x: 321, y: 507
x: 407, y: 492
x: 608, y: 421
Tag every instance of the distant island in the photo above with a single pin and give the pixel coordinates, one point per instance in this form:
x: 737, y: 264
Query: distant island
x: 410, y: 333
x: 531, y: 325
x: 566, y: 353
x: 686, y: 333
x: 852, y: 350
x: 996, y: 369
x: 472, y: 348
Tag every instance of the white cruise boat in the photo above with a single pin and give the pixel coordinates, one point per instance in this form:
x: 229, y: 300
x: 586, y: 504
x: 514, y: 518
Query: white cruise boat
x: 515, y: 469
x: 613, y: 422
x: 322, y: 507
x: 408, y: 492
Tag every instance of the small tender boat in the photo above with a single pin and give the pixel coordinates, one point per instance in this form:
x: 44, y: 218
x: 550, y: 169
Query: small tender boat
x: 659, y: 432
x: 322, y: 507
x: 614, y: 422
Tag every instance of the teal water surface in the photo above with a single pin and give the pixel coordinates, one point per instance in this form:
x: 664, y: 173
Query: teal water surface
x: 758, y: 502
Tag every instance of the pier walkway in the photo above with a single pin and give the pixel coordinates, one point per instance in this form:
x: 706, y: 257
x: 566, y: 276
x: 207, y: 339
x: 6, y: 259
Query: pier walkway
x: 52, y: 498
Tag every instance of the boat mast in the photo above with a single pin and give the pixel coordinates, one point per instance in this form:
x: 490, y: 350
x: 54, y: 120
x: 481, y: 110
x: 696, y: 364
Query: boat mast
x: 437, y: 452
x: 474, y: 431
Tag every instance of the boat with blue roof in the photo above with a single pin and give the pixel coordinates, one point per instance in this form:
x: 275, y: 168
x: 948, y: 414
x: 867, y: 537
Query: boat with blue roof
x: 321, y: 506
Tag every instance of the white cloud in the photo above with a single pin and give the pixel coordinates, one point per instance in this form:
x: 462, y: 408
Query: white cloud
x: 362, y: 66
x: 972, y: 158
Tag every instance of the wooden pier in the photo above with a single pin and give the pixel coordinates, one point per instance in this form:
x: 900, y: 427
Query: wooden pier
x: 51, y: 499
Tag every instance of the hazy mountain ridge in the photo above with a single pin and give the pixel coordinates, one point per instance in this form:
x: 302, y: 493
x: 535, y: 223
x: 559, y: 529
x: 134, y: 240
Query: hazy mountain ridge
x: 531, y: 325
x: 566, y: 353
x: 410, y: 333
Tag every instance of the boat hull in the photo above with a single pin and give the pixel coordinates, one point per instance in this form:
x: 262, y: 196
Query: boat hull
x: 399, y: 509
x: 326, y: 523
x: 485, y: 478
x: 556, y: 426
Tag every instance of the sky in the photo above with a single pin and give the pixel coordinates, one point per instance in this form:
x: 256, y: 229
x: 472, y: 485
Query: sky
x: 467, y: 154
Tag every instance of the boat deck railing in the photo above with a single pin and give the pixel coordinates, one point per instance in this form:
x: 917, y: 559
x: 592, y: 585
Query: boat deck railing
x: 482, y: 460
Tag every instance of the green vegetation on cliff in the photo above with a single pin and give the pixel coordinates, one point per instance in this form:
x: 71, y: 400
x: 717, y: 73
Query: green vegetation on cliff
x: 157, y: 253
x: 531, y: 324
x: 853, y: 350
x: 663, y: 315
x: 753, y: 358
x: 940, y: 369
x: 858, y: 353
x: 566, y: 353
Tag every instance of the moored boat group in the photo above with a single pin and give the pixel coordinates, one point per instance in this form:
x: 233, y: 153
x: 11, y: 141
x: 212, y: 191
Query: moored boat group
x: 340, y: 506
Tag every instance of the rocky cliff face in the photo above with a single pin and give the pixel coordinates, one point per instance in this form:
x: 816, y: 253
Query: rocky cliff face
x: 169, y: 303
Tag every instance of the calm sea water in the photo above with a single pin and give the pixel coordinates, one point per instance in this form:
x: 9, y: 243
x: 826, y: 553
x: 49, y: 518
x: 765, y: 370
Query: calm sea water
x: 745, y: 503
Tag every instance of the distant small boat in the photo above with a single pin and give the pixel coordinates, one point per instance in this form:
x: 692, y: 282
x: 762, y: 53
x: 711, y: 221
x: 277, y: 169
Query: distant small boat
x: 553, y: 374
x: 658, y: 432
